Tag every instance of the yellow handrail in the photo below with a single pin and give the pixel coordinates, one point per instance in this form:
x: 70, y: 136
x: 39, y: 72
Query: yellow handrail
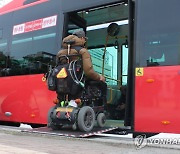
x: 112, y: 78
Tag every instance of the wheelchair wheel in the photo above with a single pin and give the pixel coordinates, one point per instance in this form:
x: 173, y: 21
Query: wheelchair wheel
x: 86, y: 119
x: 50, y: 122
x: 101, y: 119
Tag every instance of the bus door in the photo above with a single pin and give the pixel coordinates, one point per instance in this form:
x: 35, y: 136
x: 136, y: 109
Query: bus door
x: 109, y: 52
x: 129, y: 72
x: 72, y: 22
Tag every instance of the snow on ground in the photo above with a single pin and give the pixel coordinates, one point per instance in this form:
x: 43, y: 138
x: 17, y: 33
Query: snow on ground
x: 25, y: 126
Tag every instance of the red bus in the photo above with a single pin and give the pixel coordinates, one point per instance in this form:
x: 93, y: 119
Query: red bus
x: 141, y: 63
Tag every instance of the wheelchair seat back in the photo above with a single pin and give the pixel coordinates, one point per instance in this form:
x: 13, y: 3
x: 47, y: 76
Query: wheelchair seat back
x: 66, y: 78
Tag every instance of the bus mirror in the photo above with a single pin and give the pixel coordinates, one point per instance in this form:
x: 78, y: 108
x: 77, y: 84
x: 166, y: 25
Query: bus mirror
x: 113, y: 29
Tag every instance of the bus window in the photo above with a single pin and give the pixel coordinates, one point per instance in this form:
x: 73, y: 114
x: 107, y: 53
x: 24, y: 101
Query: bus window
x: 73, y: 27
x: 124, y: 64
x: 4, y: 58
x: 32, y: 52
x: 74, y: 22
x: 110, y: 67
x: 4, y: 47
x: 4, y: 52
x: 157, y: 36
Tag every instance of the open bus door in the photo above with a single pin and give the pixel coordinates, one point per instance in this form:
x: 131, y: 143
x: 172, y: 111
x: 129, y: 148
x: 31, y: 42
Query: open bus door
x: 73, y: 22
x: 151, y: 65
x: 129, y: 112
x: 114, y: 65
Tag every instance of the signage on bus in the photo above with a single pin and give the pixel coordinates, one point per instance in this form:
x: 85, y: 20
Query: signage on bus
x: 35, y: 25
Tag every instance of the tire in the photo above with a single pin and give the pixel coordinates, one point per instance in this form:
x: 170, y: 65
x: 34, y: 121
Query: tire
x: 101, y: 120
x: 50, y: 122
x: 86, y: 119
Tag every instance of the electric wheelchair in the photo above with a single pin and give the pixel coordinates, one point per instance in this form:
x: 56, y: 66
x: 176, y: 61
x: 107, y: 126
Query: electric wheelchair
x: 80, y: 101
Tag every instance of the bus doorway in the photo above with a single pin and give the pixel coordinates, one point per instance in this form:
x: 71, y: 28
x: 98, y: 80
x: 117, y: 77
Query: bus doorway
x: 107, y: 30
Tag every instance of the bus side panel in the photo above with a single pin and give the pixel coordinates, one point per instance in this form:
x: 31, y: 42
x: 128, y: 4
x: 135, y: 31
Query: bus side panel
x: 157, y: 100
x: 25, y: 99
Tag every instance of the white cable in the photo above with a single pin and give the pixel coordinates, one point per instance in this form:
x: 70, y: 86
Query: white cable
x: 75, y: 73
x: 72, y: 68
x: 69, y: 69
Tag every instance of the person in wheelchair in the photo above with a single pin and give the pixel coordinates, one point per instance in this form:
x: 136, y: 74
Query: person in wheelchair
x: 77, y: 46
x: 70, y: 84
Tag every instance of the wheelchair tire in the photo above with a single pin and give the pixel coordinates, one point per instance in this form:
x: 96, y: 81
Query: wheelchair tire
x: 101, y: 119
x: 86, y: 119
x: 50, y: 123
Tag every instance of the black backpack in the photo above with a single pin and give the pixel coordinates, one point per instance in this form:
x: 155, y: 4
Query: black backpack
x: 67, y: 78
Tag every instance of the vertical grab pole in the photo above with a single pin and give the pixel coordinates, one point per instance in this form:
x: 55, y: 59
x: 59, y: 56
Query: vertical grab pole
x: 104, y: 54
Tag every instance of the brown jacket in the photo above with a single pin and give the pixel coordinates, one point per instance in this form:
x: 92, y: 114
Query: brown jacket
x: 86, y: 57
